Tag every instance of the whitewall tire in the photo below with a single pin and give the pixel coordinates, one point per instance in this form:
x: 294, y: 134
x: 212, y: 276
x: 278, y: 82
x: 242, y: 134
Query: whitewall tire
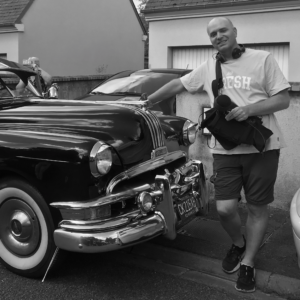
x: 26, y: 229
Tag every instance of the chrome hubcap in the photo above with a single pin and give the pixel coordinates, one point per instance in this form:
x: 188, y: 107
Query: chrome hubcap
x: 19, y: 227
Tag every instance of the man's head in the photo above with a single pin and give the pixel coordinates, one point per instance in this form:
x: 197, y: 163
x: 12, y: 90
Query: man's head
x: 222, y: 35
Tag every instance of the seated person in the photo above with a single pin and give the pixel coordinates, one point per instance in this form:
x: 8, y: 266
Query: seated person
x: 45, y: 78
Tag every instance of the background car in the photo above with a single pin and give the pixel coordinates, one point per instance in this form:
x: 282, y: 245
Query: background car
x: 89, y: 176
x: 135, y: 83
x: 295, y: 220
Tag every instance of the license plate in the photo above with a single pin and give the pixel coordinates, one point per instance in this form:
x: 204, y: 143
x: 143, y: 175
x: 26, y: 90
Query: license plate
x: 187, y: 208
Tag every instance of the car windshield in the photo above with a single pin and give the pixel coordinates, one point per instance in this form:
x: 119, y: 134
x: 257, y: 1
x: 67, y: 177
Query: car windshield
x: 135, y: 83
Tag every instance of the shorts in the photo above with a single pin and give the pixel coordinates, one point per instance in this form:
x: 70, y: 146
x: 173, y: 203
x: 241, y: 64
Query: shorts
x: 255, y: 172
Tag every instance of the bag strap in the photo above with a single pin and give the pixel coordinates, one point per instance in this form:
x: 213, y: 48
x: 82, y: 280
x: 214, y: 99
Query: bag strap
x: 217, y: 84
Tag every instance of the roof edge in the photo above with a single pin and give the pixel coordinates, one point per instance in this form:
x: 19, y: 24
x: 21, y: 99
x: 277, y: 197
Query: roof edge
x: 228, y: 3
x: 138, y: 17
x: 18, y: 20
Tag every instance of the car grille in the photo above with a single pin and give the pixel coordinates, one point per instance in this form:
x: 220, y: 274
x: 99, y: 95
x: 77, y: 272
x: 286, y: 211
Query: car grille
x: 154, y: 126
x: 153, y: 123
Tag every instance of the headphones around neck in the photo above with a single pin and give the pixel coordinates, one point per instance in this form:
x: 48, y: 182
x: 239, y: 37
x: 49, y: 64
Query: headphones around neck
x: 236, y: 53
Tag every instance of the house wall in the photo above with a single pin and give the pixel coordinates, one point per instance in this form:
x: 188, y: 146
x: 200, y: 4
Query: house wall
x: 9, y: 44
x: 268, y: 27
x: 75, y: 37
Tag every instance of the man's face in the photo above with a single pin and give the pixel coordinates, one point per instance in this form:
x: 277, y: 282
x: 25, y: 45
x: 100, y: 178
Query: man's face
x: 222, y: 34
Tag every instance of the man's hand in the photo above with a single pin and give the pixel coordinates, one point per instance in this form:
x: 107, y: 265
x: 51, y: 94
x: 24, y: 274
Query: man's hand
x: 275, y: 103
x: 146, y: 103
x: 239, y: 113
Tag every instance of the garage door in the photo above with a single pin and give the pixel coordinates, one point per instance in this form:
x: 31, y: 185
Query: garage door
x: 192, y: 57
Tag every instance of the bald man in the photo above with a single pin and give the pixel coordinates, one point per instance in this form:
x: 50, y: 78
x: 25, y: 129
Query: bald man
x: 253, y: 80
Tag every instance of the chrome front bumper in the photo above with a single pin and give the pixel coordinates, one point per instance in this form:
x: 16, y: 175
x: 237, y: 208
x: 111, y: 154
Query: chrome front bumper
x: 92, y: 236
x: 133, y: 233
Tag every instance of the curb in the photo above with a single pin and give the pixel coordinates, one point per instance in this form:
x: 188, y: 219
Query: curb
x: 192, y: 266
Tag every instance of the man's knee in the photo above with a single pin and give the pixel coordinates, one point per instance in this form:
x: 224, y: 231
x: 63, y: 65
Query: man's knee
x: 257, y: 211
x: 226, y: 208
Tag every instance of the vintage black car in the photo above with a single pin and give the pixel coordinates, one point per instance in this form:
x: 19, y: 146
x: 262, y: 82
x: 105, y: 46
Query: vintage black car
x: 88, y: 175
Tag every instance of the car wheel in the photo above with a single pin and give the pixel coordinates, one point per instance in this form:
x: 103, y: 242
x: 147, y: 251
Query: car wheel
x: 26, y: 229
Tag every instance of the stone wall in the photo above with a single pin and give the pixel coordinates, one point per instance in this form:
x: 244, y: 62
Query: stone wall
x: 71, y: 87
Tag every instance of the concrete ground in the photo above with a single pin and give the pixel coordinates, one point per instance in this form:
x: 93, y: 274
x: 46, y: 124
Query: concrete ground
x: 202, y: 244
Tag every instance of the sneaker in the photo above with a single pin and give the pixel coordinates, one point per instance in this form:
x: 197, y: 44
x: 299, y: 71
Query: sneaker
x: 246, y: 279
x: 231, y: 263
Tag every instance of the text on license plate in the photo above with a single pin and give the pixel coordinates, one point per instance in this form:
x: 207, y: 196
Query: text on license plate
x: 187, y: 208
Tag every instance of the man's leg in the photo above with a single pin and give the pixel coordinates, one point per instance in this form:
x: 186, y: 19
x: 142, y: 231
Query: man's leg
x: 256, y: 226
x: 259, y: 176
x: 230, y: 220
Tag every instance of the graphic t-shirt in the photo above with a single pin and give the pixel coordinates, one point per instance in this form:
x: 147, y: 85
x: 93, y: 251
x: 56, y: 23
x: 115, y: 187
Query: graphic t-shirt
x: 253, y: 77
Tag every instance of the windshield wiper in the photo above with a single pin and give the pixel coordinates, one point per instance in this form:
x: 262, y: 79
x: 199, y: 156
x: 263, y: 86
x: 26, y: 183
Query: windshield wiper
x: 116, y: 93
x: 126, y: 93
x: 97, y: 93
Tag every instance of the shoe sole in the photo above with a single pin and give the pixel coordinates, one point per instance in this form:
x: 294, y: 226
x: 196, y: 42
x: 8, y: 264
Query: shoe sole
x: 236, y: 267
x: 245, y: 291
x: 233, y: 270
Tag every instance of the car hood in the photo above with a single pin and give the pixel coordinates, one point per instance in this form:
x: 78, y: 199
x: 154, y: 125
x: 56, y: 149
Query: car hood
x: 119, y: 126
x: 172, y: 125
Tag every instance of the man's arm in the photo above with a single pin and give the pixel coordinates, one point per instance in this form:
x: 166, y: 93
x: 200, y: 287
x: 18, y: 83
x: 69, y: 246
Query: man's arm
x: 165, y: 92
x: 275, y: 103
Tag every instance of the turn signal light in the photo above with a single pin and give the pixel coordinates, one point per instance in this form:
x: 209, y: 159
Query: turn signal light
x: 145, y: 202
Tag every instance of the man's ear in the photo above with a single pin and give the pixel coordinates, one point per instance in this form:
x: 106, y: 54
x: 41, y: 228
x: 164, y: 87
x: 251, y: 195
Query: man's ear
x: 235, y: 31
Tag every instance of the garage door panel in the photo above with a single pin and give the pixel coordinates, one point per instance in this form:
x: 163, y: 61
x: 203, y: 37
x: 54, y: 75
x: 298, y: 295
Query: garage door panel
x: 192, y: 57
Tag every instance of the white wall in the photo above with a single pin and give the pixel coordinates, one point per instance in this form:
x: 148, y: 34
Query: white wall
x: 269, y: 27
x: 9, y: 44
x: 75, y: 37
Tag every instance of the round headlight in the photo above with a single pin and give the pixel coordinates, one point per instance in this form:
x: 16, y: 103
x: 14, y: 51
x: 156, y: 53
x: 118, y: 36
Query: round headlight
x: 145, y: 202
x: 100, y: 159
x: 189, y: 132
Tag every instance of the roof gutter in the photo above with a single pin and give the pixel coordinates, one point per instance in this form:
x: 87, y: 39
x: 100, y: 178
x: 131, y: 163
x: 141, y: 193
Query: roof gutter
x: 227, y: 3
x: 11, y: 28
x: 209, y: 9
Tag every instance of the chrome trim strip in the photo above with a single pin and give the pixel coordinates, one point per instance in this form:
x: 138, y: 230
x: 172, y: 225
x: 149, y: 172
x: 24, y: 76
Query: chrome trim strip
x: 44, y: 159
x: 100, y: 201
x: 130, y: 215
x: 95, y: 227
x: 151, y: 127
x: 136, y: 103
x: 144, y: 167
x: 159, y: 128
x: 137, y: 232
